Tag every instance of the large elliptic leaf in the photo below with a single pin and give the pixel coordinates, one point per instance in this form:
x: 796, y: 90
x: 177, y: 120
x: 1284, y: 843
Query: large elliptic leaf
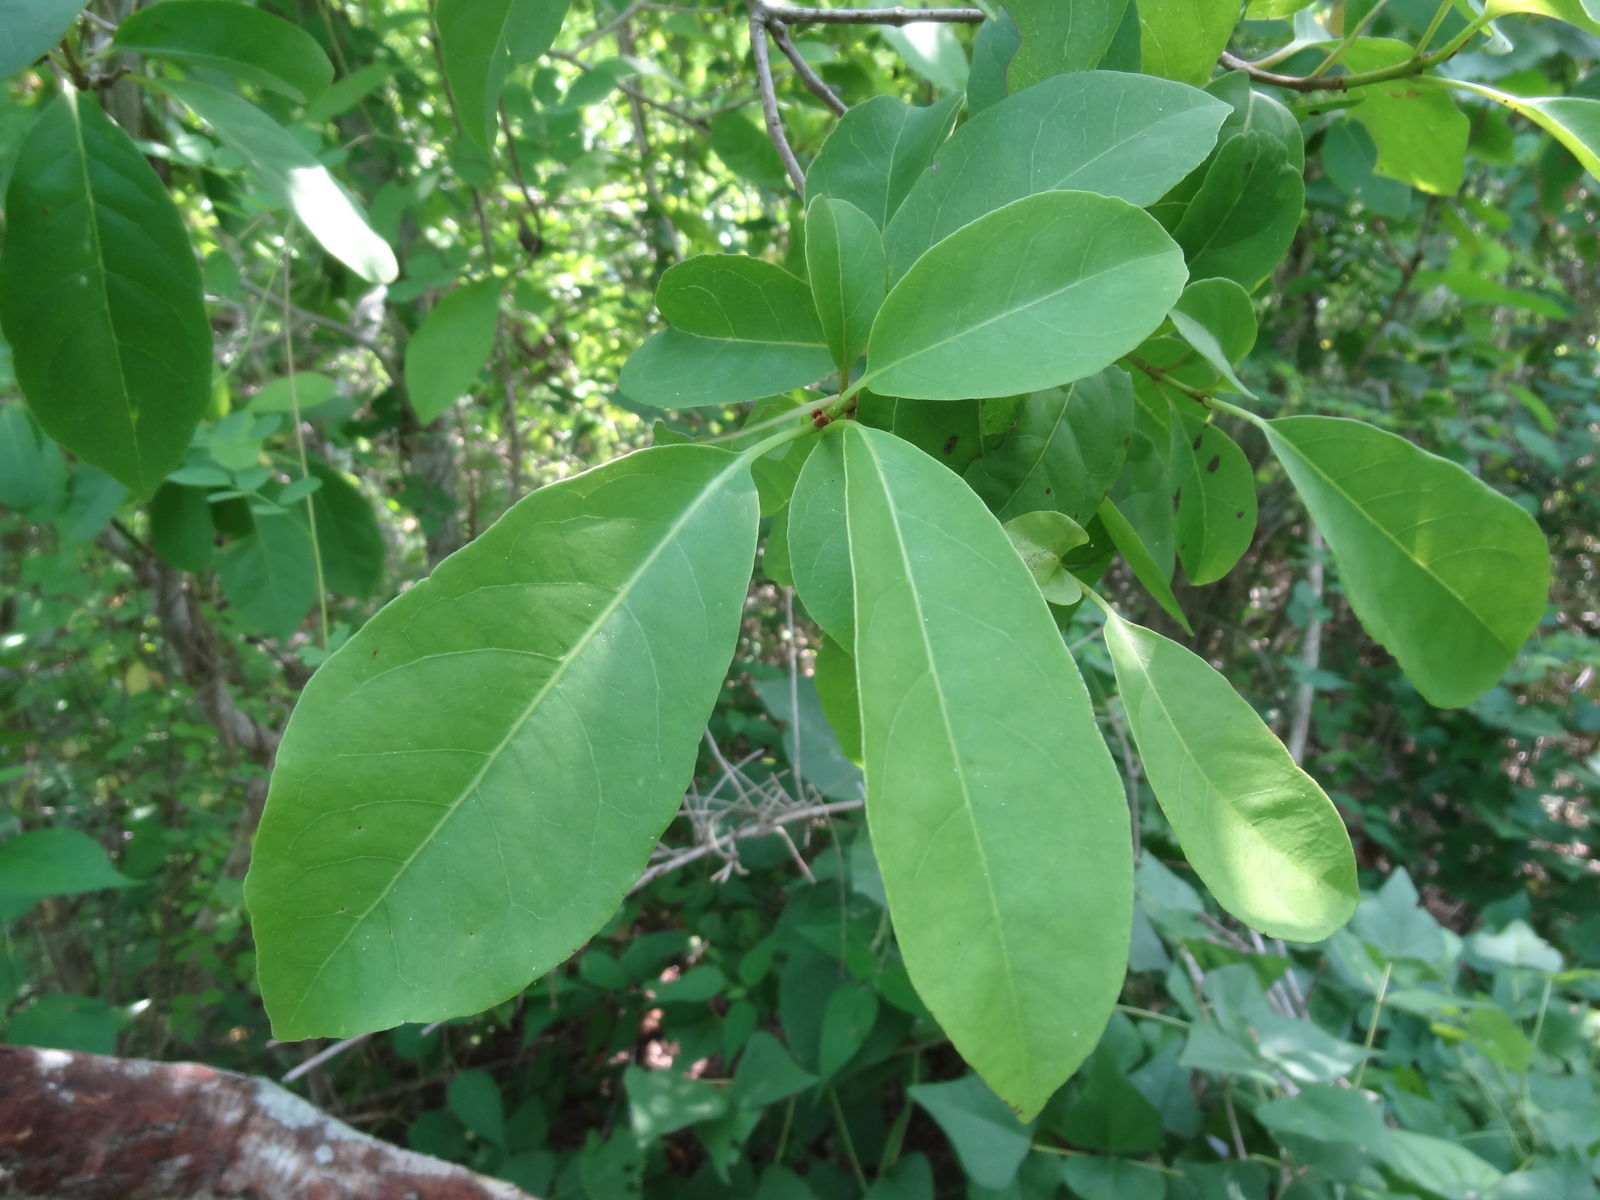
x: 1058, y: 38
x: 480, y: 41
x: 1449, y: 575
x: 1258, y: 830
x: 449, y: 348
x: 32, y: 27
x: 996, y: 813
x: 1118, y: 134
x: 877, y: 152
x: 1046, y: 290
x: 248, y: 44
x: 100, y: 297
x: 1065, y: 450
x: 293, y: 176
x: 1245, y: 213
x: 844, y: 260
x: 741, y: 329
x: 819, y: 543
x: 419, y: 859
x: 1420, y: 133
x: 1215, y: 496
x: 1574, y: 121
x: 1181, y: 39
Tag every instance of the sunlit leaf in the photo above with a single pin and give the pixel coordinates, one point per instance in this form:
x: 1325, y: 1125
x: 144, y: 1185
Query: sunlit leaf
x: 420, y: 860
x: 480, y: 41
x: 248, y: 44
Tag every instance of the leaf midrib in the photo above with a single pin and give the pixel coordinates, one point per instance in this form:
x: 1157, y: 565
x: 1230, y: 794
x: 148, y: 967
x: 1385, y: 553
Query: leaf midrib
x: 614, y: 605
x: 944, y: 715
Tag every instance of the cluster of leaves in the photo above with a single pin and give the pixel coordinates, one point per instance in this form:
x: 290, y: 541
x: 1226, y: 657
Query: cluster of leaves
x: 1016, y: 310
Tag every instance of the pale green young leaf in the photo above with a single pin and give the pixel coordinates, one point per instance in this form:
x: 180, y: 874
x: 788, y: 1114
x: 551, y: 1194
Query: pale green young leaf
x: 1118, y: 134
x: 1044, y: 291
x: 1573, y: 12
x: 32, y: 27
x: 108, y: 331
x: 270, y: 576
x: 844, y: 259
x: 1064, y: 452
x: 1215, y: 486
x: 1256, y: 828
x: 996, y: 813
x: 1245, y: 213
x: 418, y: 861
x: 480, y: 41
x: 449, y: 348
x: 1216, y: 318
x: 292, y: 176
x: 1181, y: 39
x: 1420, y: 133
x: 1042, y: 539
x: 1141, y: 562
x: 1059, y: 38
x: 877, y: 152
x: 1449, y: 575
x: 248, y: 44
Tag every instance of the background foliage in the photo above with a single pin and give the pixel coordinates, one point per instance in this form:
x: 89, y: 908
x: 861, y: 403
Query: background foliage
x: 745, y: 1025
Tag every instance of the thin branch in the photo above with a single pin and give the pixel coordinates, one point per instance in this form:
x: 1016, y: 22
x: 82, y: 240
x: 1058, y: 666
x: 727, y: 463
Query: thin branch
x: 769, y: 97
x: 1417, y: 64
x: 791, y: 14
x: 753, y: 830
x: 802, y: 68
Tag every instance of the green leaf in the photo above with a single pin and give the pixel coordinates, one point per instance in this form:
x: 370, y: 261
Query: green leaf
x: 931, y: 49
x: 1242, y: 219
x: 342, y: 96
x: 999, y: 822
x: 1064, y: 452
x: 480, y: 41
x: 248, y: 44
x: 1573, y: 12
x: 1093, y: 1178
x: 475, y: 1100
x: 844, y: 259
x: 445, y: 354
x: 1121, y: 135
x: 1258, y: 830
x: 348, y: 537
x: 747, y: 151
x: 32, y: 473
x: 1140, y: 561
x: 417, y: 862
x: 181, y: 528
x: 270, y: 577
x: 1058, y: 38
x: 1042, y: 539
x: 663, y: 1102
x: 1216, y: 499
x: 1182, y: 39
x: 987, y: 1137
x: 768, y: 1073
x: 1438, y: 1166
x: 55, y: 862
x: 1109, y: 1114
x: 32, y: 28
x: 302, y: 391
x: 1574, y: 121
x: 846, y: 1022
x: 1215, y: 316
x: 292, y: 176
x: 741, y: 329
x: 1420, y: 133
x: 1044, y: 291
x: 819, y: 543
x: 1449, y: 575
x: 877, y: 152
x: 993, y: 48
x: 108, y: 330
x: 954, y: 432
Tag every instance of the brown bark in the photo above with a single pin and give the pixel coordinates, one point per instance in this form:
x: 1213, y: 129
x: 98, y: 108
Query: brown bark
x: 84, y: 1127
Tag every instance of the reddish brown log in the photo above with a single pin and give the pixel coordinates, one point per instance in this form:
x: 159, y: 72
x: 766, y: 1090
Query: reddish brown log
x: 83, y: 1127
